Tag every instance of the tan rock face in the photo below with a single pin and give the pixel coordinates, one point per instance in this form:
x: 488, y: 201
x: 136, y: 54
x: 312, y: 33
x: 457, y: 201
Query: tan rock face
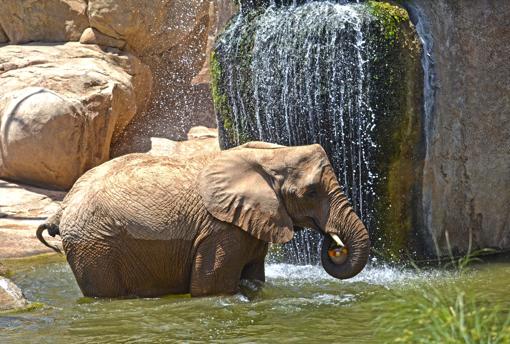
x: 22, y: 209
x: 93, y: 36
x: 201, y: 140
x: 63, y: 108
x: 3, y: 36
x: 153, y: 26
x: 49, y: 20
x: 466, y: 187
x: 171, y: 37
x: 202, y: 132
x: 220, y: 11
x: 11, y: 296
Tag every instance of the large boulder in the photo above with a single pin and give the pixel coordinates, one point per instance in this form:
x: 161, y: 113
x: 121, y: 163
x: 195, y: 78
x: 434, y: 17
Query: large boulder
x: 148, y: 26
x: 201, y: 140
x: 11, y: 296
x: 62, y: 108
x: 466, y: 185
x: 49, y: 20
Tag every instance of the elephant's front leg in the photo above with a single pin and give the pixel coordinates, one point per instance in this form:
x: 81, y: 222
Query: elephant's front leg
x: 217, y: 266
x: 222, y: 258
x: 254, y: 271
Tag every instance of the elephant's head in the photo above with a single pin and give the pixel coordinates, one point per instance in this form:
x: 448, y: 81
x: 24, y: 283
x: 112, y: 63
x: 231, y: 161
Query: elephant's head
x: 267, y: 190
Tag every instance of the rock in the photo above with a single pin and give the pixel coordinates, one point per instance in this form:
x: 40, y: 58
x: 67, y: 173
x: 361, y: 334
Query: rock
x: 3, y: 270
x: 202, y: 132
x: 3, y: 37
x: 11, y: 296
x: 170, y: 36
x: 220, y: 12
x: 155, y: 26
x: 466, y: 183
x: 92, y: 36
x: 62, y: 107
x: 49, y: 20
x: 24, y: 208
x: 201, y: 140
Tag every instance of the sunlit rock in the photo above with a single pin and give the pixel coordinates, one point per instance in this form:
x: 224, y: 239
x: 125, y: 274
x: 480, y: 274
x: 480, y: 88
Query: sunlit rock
x: 201, y: 140
x: 61, y: 108
x: 173, y: 38
x: 22, y: 209
x: 466, y: 184
x: 49, y: 20
x: 93, y: 36
x: 11, y: 296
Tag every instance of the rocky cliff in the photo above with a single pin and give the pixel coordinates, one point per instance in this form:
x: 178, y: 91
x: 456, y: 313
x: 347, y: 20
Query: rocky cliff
x: 466, y: 184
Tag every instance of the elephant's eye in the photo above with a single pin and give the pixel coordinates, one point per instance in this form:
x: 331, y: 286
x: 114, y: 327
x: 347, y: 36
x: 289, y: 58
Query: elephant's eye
x: 311, y: 192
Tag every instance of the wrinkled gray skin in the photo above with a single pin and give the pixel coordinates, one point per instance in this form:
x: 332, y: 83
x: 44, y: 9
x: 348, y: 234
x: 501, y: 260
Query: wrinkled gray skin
x: 144, y: 226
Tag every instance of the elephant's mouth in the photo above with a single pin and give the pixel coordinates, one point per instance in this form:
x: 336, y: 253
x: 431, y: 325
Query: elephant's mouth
x: 337, y: 252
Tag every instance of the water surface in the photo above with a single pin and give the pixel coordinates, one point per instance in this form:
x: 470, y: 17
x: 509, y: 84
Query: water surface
x: 298, y: 304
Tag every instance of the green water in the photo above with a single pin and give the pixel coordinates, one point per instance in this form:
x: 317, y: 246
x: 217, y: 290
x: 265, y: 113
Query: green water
x: 298, y: 304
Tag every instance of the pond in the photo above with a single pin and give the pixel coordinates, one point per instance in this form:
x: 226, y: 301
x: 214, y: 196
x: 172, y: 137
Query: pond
x: 298, y: 304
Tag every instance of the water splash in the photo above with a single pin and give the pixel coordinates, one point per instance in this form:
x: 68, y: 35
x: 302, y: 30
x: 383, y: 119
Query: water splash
x: 310, y: 82
x: 382, y: 275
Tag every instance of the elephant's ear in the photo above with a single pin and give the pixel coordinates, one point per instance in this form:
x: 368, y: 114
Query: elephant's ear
x: 238, y: 190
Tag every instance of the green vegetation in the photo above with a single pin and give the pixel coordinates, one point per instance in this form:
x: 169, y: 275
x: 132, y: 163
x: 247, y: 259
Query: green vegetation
x: 31, y: 307
x: 391, y: 17
x: 242, y: 74
x: 220, y: 99
x: 397, y: 99
x: 435, y: 313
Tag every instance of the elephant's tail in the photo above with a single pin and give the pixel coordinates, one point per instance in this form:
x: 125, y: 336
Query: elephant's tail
x: 52, y: 225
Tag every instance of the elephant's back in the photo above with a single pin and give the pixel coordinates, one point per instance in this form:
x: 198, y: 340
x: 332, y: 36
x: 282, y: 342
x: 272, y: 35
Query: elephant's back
x: 152, y: 198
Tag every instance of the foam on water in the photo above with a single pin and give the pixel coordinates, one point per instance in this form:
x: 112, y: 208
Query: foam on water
x: 383, y: 275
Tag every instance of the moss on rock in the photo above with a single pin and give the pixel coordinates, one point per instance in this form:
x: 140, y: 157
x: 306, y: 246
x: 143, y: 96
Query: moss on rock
x: 398, y: 95
x: 391, y: 17
x: 220, y: 99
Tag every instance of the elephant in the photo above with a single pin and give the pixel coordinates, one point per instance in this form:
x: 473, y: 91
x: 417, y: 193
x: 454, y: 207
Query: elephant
x: 147, y: 226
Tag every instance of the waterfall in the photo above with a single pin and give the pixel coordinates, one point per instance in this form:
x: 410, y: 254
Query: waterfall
x: 309, y: 73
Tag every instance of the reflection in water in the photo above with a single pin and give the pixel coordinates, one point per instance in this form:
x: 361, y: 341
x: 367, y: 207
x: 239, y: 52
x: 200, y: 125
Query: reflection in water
x: 298, y: 303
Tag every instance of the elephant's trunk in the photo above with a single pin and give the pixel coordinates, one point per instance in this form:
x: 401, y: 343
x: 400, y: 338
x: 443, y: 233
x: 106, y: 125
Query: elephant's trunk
x: 344, y: 222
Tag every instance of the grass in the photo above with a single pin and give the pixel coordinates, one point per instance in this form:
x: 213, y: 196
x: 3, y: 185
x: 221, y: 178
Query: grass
x: 439, y: 317
x: 440, y: 313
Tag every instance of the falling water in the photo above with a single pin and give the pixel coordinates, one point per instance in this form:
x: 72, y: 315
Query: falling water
x: 303, y: 74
